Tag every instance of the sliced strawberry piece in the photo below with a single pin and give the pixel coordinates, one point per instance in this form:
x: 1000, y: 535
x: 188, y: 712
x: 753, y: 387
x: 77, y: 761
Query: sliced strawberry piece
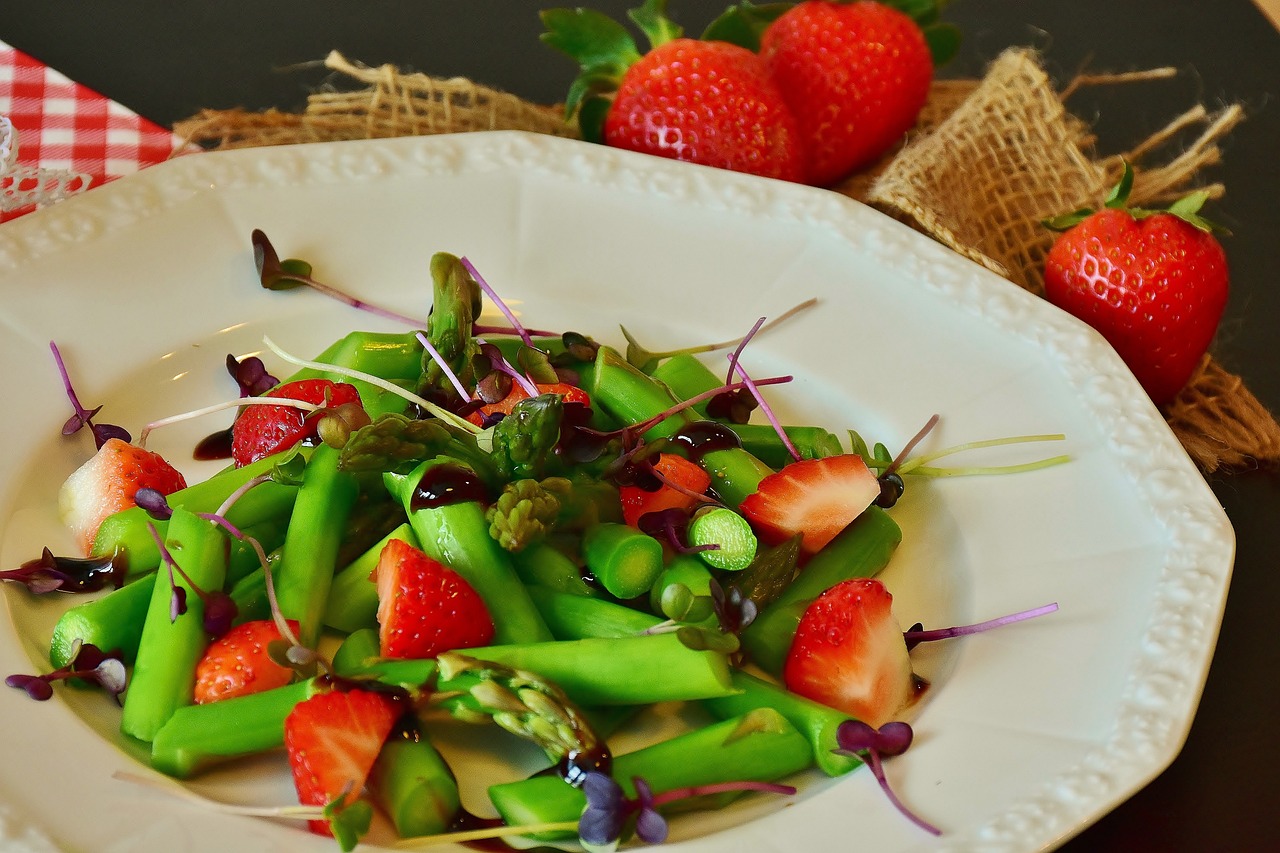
x: 675, y: 469
x: 237, y: 663
x: 571, y: 394
x: 424, y: 607
x: 849, y: 653
x: 260, y: 431
x: 333, y: 740
x: 814, y: 497
x: 107, y: 483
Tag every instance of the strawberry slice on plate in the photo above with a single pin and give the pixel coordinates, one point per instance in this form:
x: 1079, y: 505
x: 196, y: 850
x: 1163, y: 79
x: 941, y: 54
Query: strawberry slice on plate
x: 816, y: 498
x: 262, y: 430
x: 332, y: 740
x: 424, y: 607
x: 689, y: 476
x: 237, y: 663
x: 849, y: 653
x: 107, y: 483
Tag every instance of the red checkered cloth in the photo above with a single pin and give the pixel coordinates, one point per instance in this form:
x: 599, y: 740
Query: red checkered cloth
x: 68, y: 136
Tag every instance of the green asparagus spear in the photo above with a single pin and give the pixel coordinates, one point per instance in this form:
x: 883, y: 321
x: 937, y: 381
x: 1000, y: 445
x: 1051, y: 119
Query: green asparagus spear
x: 164, y: 674
x: 305, y: 573
x: 576, y: 617
x: 353, y: 597
x: 760, y: 746
x: 547, y: 566
x: 625, y: 561
x: 197, y: 736
x: 413, y: 784
x: 112, y: 622
x: 396, y: 357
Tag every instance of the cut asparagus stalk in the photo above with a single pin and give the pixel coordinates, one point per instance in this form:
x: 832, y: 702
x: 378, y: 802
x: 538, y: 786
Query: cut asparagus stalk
x: 353, y: 596
x: 760, y: 746
x: 577, y: 617
x: 544, y: 565
x: 164, y: 674
x: 413, y: 784
x: 198, y: 736
x: 396, y: 357
x: 625, y: 561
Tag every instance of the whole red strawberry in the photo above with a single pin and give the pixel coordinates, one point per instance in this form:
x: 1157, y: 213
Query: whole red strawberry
x: 704, y: 102
x: 1153, y: 283
x: 262, y: 430
x: 855, y: 77
x: 238, y: 663
x: 425, y: 608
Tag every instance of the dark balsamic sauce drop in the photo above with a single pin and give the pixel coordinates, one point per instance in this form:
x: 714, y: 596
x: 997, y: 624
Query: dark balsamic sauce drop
x: 214, y: 446
x: 446, y: 484
x: 702, y: 437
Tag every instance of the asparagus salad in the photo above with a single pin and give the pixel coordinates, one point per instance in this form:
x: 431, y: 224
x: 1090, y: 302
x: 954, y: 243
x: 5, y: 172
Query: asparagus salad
x: 516, y: 528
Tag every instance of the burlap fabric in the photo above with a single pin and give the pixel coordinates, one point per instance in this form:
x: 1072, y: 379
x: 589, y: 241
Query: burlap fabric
x: 988, y: 160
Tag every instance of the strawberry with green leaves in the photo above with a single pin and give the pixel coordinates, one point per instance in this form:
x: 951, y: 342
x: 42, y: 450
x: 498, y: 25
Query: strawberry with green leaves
x: 705, y: 102
x: 1154, y: 283
x: 855, y: 76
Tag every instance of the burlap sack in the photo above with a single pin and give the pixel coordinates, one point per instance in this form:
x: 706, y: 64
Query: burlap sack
x: 986, y: 163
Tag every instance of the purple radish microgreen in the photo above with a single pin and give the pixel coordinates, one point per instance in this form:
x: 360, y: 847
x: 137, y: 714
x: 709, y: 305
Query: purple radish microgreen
x: 916, y: 634
x: 219, y: 610
x: 856, y: 738
x: 645, y: 360
x: 87, y: 662
x: 769, y: 414
x: 497, y: 300
x: 154, y: 503
x: 49, y: 573
x: 500, y: 364
x: 426, y: 405
x: 102, y: 433
x: 251, y: 376
x: 285, y: 275
x: 610, y: 814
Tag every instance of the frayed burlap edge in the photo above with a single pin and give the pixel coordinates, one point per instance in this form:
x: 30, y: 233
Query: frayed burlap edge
x: 1010, y: 156
x: 986, y: 162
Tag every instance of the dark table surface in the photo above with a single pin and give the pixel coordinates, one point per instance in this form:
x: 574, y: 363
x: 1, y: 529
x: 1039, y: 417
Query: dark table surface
x: 168, y: 60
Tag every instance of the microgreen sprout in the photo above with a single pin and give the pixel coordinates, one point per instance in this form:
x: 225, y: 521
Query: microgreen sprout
x: 426, y: 405
x: 497, y: 300
x: 219, y: 608
x: 87, y: 662
x: 102, y: 433
x: 348, y: 821
x: 916, y: 634
x: 49, y: 573
x: 153, y: 502
x: 251, y: 375
x: 858, y: 739
x: 500, y: 365
x: 289, y: 402
x: 285, y: 275
x: 610, y: 815
x: 645, y: 359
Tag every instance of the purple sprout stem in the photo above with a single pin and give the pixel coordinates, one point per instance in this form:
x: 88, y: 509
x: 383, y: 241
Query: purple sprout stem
x: 910, y: 446
x: 644, y: 426
x: 767, y: 409
x: 497, y: 300
x: 440, y: 362
x: 481, y: 329
x: 872, y: 759
x: 915, y: 637
x: 737, y: 351
x: 66, y: 382
x: 506, y: 367
x: 355, y: 302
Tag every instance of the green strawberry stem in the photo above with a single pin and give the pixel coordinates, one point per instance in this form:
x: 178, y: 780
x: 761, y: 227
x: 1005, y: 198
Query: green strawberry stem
x: 126, y: 533
x: 169, y: 648
x: 625, y: 561
x: 457, y: 535
x: 199, y: 736
x: 544, y: 565
x: 860, y: 550
x: 307, y: 560
x: 353, y: 596
x: 413, y: 785
x: 760, y: 746
x: 818, y: 723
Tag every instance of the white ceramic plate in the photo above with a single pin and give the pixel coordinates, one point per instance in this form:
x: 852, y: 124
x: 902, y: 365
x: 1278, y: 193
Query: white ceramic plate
x: 1028, y: 734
